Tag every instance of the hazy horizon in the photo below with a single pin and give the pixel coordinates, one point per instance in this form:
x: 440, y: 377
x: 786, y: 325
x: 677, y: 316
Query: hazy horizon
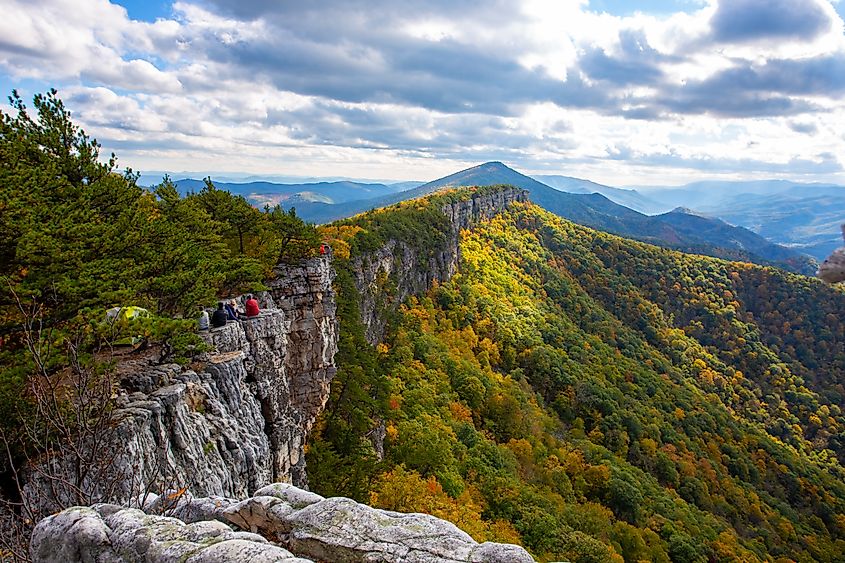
x: 246, y: 177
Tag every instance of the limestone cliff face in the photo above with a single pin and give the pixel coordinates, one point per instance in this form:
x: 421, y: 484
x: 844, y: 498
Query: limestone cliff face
x: 288, y: 359
x: 306, y: 297
x: 239, y: 418
x: 402, y: 263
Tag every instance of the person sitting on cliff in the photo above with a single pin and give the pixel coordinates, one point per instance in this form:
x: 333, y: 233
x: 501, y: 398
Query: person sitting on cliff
x: 251, y: 306
x: 219, y: 317
x: 232, y: 310
x: 203, y: 320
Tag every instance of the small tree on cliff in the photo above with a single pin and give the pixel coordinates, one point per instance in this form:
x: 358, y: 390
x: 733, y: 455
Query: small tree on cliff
x: 291, y: 238
x: 238, y: 218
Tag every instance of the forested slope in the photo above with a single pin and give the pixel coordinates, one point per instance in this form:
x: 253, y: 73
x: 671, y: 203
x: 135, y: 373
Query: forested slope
x: 593, y: 398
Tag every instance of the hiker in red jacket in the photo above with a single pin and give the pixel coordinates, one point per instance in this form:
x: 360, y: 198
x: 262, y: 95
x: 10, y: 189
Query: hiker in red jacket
x: 251, y: 306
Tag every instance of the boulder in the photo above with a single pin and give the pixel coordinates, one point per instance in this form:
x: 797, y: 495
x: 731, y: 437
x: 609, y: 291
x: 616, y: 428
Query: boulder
x: 101, y: 535
x: 279, y: 523
x: 832, y: 270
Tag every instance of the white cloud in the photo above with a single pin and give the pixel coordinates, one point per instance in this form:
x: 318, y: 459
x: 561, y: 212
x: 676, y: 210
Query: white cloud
x: 283, y: 88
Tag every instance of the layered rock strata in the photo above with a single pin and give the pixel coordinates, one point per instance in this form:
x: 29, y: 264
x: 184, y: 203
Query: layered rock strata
x: 414, y: 273
x: 279, y: 523
x: 306, y: 297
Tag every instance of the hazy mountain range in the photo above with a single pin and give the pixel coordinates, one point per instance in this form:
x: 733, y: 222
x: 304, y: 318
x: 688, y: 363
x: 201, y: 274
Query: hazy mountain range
x: 769, y: 222
x: 805, y: 217
x: 261, y: 192
x: 627, y: 197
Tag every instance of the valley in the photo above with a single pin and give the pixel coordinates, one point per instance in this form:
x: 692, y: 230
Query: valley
x: 592, y: 396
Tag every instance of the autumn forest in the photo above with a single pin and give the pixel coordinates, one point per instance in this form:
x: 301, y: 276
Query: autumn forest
x: 594, y: 398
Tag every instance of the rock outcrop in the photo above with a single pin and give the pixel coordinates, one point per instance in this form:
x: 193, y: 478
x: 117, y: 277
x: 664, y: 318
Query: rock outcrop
x: 306, y: 297
x: 279, y: 523
x: 235, y: 421
x: 415, y: 273
x: 832, y: 270
x: 239, y: 418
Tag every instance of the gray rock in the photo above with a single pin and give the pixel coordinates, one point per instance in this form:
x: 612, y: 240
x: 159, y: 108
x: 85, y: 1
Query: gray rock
x: 339, y: 529
x: 129, y: 535
x: 76, y: 534
x: 832, y: 270
x: 282, y: 520
x: 241, y: 550
x: 294, y: 496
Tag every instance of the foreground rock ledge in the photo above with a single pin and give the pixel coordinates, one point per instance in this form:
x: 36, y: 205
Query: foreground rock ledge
x: 279, y: 523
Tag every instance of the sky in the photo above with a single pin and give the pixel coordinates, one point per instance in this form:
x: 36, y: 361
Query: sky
x: 653, y: 92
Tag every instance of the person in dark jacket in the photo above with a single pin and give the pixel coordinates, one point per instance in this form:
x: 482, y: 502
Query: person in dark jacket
x: 251, y: 306
x: 218, y: 318
x: 232, y: 310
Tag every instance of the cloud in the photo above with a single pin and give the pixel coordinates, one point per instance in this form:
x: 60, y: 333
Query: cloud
x: 445, y: 76
x: 93, y: 41
x: 776, y: 87
x: 350, y: 14
x: 634, y: 62
x: 754, y: 20
x: 824, y: 162
x: 539, y: 81
x: 804, y: 127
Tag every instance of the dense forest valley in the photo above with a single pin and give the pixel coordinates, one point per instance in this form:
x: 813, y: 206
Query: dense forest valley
x: 589, y: 397
x: 594, y: 398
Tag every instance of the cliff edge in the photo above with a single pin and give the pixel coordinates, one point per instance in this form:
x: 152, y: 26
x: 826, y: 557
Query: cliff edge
x: 279, y: 523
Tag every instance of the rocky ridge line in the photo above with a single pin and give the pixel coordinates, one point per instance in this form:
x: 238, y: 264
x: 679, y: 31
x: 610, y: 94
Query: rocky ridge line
x: 415, y: 274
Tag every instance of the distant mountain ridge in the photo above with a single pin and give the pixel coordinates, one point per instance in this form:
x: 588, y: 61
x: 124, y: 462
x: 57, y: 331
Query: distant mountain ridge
x: 676, y: 230
x: 260, y: 193
x: 615, y: 210
x: 804, y: 217
x: 808, y: 223
x: 627, y: 197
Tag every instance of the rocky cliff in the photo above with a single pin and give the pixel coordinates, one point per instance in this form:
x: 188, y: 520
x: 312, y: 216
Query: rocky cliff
x: 237, y: 419
x: 409, y: 272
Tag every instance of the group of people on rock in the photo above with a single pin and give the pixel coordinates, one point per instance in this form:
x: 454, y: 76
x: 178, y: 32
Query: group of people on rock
x: 228, y: 311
